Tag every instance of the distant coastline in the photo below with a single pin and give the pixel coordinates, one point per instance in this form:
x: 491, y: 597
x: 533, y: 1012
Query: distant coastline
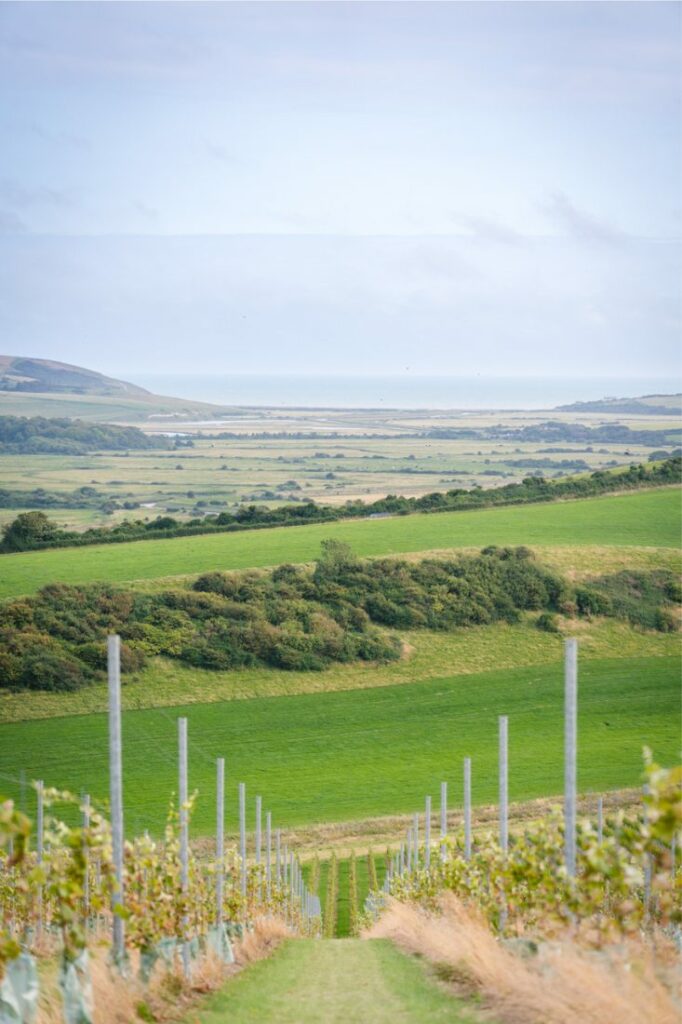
x: 399, y: 391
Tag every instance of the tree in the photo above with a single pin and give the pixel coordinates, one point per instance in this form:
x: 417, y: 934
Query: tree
x: 27, y: 530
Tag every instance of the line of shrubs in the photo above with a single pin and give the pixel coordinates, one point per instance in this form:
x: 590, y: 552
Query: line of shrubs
x: 38, y: 532
x: 299, y: 618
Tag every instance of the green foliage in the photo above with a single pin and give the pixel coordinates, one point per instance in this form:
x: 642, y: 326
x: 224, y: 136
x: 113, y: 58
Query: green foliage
x: 295, y: 619
x: 547, y: 622
x: 650, y: 517
x: 608, y: 895
x: 27, y: 531
x: 24, y: 435
x: 531, y: 490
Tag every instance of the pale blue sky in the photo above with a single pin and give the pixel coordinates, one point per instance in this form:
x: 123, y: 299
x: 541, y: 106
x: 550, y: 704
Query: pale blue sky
x: 342, y: 187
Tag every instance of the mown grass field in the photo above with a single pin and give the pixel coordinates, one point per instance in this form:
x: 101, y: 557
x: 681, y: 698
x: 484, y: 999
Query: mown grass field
x: 642, y: 518
x: 350, y: 755
x: 429, y: 655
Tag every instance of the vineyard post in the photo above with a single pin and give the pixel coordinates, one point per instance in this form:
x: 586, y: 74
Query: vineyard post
x: 647, y: 864
x: 409, y: 849
x: 467, y: 808
x: 570, y: 751
x: 40, y: 836
x: 268, y: 853
x: 86, y: 855
x: 242, y: 837
x: 184, y: 837
x: 600, y: 819
x: 220, y: 839
x: 278, y: 856
x: 285, y: 881
x: 116, y: 794
x: 259, y: 841
x: 415, y: 832
x: 443, y: 818
x: 292, y: 884
x: 427, y: 833
x: 504, y: 783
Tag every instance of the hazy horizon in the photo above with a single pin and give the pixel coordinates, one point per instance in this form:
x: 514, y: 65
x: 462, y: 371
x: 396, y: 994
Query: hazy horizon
x: 342, y: 188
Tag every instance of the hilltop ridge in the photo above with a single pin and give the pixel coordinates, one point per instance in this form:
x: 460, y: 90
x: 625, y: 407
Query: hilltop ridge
x: 24, y: 374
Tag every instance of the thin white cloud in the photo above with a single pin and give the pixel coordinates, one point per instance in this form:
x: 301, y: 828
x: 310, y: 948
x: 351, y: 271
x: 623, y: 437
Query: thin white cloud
x: 578, y: 223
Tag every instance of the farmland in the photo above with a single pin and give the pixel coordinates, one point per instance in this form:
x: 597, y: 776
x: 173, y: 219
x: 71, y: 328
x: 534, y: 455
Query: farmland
x: 346, y: 755
x: 646, y: 518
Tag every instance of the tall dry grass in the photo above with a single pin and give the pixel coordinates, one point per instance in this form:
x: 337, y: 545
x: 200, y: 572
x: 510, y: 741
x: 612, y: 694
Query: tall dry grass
x: 562, y: 984
x: 168, y: 997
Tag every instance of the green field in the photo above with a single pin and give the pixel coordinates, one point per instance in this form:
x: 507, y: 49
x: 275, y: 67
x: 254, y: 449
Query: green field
x: 642, y: 518
x: 361, y: 753
x: 432, y: 655
x: 333, y: 982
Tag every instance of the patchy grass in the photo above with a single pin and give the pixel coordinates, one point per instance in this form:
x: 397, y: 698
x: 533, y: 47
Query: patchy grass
x: 364, y: 753
x: 640, y: 519
x: 428, y: 655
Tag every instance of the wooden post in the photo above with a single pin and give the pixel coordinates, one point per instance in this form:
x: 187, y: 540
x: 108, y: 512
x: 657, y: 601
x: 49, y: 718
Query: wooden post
x: 427, y: 833
x: 570, y: 752
x: 116, y: 794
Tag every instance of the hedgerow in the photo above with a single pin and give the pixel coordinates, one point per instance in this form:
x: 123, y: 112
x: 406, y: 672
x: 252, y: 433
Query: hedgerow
x: 532, y: 490
x: 294, y: 617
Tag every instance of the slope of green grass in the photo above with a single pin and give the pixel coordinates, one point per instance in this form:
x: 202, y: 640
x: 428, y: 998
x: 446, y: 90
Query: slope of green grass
x: 334, y: 982
x: 642, y: 518
x: 429, y: 655
x: 361, y: 753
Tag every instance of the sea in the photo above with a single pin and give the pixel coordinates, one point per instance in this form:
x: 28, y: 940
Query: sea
x: 406, y: 391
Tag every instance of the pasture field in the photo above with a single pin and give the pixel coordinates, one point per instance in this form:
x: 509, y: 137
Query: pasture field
x: 429, y: 655
x: 640, y: 518
x: 350, y: 755
x: 214, y: 476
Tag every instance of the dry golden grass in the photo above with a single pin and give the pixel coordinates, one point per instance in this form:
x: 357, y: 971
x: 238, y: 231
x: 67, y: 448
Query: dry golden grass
x: 389, y: 831
x: 562, y: 984
x: 168, y: 997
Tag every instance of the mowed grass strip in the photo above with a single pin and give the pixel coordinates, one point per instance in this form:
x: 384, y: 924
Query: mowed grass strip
x: 643, y: 518
x: 339, y: 981
x: 363, y: 753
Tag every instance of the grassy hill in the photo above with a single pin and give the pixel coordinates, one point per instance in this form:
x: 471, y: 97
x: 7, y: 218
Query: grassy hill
x: 44, y: 387
x: 643, y: 518
x: 350, y: 755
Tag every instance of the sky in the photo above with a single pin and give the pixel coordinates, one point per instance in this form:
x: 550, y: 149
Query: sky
x: 344, y: 188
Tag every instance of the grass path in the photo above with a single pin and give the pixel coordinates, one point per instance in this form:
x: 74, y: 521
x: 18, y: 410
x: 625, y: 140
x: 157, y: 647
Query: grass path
x: 641, y: 518
x: 336, y: 981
